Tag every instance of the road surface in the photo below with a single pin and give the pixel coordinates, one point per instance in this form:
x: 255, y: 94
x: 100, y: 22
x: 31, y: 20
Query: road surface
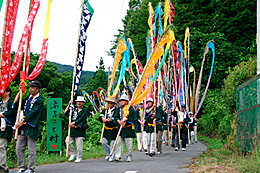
x: 168, y: 162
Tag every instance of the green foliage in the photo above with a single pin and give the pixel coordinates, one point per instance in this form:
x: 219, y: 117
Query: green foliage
x: 230, y: 24
x: 101, y: 64
x: 219, y: 105
x: 225, y: 160
x: 93, y: 133
x: 240, y: 74
x: 99, y: 80
x: 85, y: 77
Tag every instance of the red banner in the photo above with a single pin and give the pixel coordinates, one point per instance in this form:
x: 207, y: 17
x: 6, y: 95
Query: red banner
x: 19, y: 54
x: 12, y: 8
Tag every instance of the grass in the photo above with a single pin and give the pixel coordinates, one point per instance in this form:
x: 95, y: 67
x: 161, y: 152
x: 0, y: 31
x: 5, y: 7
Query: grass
x: 221, y: 159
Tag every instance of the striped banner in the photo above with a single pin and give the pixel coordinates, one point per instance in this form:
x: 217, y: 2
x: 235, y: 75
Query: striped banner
x: 85, y: 20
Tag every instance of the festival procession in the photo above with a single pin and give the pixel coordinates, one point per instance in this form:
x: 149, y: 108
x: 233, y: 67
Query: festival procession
x: 144, y: 105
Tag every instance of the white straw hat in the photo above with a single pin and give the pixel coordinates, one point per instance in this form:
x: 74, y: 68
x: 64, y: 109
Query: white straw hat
x: 149, y: 100
x: 124, y: 97
x: 80, y: 99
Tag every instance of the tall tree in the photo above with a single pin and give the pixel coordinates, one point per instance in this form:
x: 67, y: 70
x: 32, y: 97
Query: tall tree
x: 101, y: 64
x: 231, y: 24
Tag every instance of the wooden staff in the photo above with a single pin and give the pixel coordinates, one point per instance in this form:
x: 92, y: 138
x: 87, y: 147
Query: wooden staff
x: 168, y: 135
x: 72, y: 88
x: 142, y: 135
x: 103, y: 128
x: 189, y: 136
x: 179, y: 130
x: 155, y: 139
x: 119, y: 131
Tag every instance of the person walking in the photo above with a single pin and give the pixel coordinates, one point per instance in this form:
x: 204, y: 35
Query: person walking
x: 78, y: 128
x: 7, y: 118
x: 110, y: 129
x: 127, y: 134
x: 28, y: 127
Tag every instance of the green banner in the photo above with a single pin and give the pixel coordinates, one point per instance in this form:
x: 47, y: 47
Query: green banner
x: 54, y: 124
x: 1, y: 3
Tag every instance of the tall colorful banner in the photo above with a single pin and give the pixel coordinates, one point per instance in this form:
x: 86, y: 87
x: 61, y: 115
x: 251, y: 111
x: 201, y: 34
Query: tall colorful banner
x: 17, y: 62
x: 39, y: 66
x: 11, y: 14
x: 54, y: 124
x: 85, y: 20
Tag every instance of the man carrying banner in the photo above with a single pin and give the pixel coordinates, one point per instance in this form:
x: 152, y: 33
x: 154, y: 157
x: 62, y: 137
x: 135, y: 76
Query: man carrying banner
x: 110, y: 128
x: 128, y: 131
x: 139, y: 127
x: 78, y: 128
x: 7, y: 121
x: 192, y: 124
x: 149, y: 126
x: 158, y: 118
x: 173, y: 122
x: 183, y: 122
x: 166, y: 128
x: 29, y: 126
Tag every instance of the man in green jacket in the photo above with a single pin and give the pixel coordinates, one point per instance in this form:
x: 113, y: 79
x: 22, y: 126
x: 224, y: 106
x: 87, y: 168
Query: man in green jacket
x: 138, y: 126
x: 159, y: 128
x: 150, y: 121
x: 78, y: 132
x: 128, y: 131
x: 29, y: 126
x: 110, y: 128
x: 7, y: 121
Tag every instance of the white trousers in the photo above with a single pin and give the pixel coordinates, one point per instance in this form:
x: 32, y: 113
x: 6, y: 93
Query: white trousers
x: 79, y: 144
x: 120, y: 147
x: 151, y: 142
x: 139, y: 140
x: 3, y: 147
x: 192, y: 136
x: 145, y: 140
x: 195, y: 133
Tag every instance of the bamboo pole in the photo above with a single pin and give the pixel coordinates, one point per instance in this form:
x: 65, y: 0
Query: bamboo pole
x: 189, y: 136
x: 72, y: 87
x: 142, y: 135
x: 155, y: 139
x: 20, y: 90
x: 179, y: 130
x: 168, y: 134
x: 103, y: 128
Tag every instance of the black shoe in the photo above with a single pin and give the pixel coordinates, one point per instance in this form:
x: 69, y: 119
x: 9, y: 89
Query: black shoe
x: 196, y: 141
x: 151, y: 154
x: 3, y: 170
x: 172, y: 145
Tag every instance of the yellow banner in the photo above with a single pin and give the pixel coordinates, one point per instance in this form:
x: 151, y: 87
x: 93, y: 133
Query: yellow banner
x: 158, y: 52
x: 187, y: 35
x: 47, y: 21
x: 166, y: 13
x: 121, y: 47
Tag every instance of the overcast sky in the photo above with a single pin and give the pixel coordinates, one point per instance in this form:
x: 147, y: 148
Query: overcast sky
x: 64, y: 23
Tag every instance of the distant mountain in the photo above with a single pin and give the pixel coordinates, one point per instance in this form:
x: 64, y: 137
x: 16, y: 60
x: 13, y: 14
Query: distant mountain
x: 85, y: 77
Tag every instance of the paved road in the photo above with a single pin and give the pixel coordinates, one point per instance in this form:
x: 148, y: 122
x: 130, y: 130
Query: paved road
x: 168, y: 162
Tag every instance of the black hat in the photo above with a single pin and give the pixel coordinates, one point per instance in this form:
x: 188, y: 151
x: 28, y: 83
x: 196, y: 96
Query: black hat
x: 183, y: 105
x: 8, y: 90
x: 35, y: 83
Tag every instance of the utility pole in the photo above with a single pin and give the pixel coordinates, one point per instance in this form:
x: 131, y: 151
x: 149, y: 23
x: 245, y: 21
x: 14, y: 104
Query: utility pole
x: 258, y: 36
